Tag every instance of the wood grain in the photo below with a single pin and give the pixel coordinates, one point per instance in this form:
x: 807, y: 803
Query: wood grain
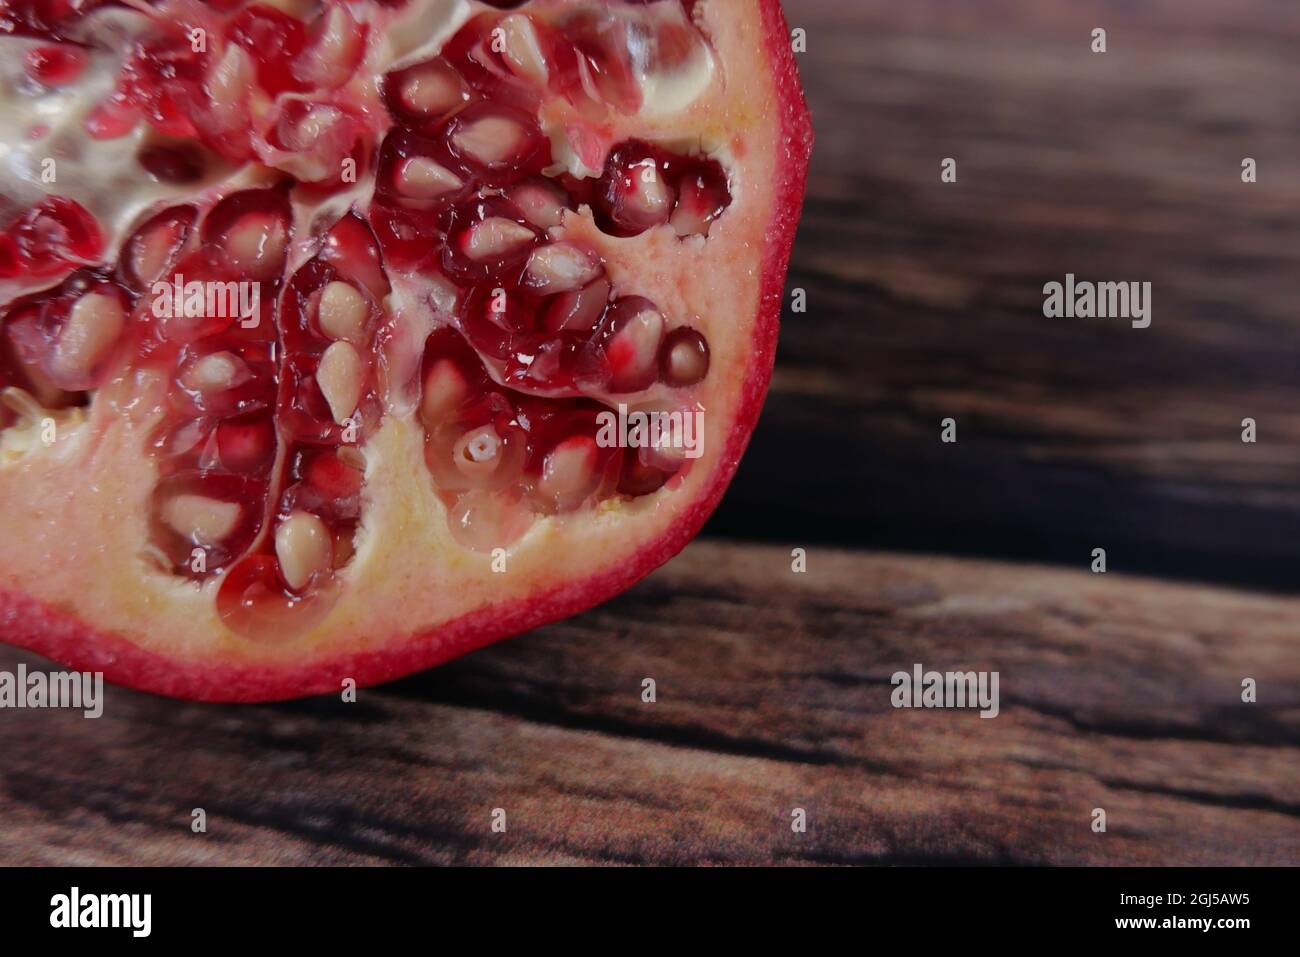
x: 924, y: 298
x: 772, y: 693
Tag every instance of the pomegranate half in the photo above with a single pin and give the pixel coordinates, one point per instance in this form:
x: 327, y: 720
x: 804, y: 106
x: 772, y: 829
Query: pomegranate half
x: 339, y: 339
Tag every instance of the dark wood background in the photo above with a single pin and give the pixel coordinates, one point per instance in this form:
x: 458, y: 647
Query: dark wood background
x: 924, y: 301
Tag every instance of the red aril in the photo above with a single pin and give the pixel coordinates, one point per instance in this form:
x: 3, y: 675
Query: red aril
x: 273, y: 40
x: 250, y: 231
x: 54, y: 65
x: 333, y: 49
x: 424, y: 93
x: 371, y: 317
x: 49, y: 237
x: 154, y: 247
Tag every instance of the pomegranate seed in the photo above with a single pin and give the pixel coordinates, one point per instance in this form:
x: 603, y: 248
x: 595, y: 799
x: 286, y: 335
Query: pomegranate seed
x: 494, y: 238
x: 666, y: 455
x: 188, y: 440
x: 421, y: 178
x: 491, y: 139
x: 578, y: 311
x: 256, y: 244
x: 445, y: 390
x: 190, y: 318
x: 304, y: 548
x: 55, y: 232
x: 337, y: 474
x: 559, y: 267
x: 273, y: 39
x: 639, y: 479
x: 596, y: 67
x: 245, y: 445
x: 499, y: 324
x: 212, y: 510
x: 156, y: 245
x: 92, y: 329
x: 199, y: 519
x: 684, y: 359
x: 426, y: 91
x: 634, y: 192
x: 334, y: 50
x: 414, y: 172
x: 541, y: 202
x: 215, y: 372
x: 163, y: 77
x: 351, y: 248
x: 342, y: 311
x: 227, y: 86
x: 522, y: 49
x: 303, y: 128
x: 406, y: 236
x: 253, y: 602
x: 702, y: 197
x: 339, y: 377
x: 54, y: 65
x: 570, y: 473
x: 252, y: 230
x: 227, y: 378
x: 483, y: 519
x: 313, y: 140
x: 633, y: 331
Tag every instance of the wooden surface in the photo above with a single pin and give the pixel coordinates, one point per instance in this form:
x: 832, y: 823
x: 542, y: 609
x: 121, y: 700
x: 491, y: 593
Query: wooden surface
x: 772, y: 693
x: 924, y: 301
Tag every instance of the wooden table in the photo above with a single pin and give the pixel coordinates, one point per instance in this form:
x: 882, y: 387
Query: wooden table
x: 1119, y: 691
x: 772, y: 693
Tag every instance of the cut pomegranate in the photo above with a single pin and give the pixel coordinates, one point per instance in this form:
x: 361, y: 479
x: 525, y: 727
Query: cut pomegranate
x: 370, y: 323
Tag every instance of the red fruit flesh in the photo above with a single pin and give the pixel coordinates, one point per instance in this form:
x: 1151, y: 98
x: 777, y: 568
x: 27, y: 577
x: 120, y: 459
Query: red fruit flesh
x: 328, y: 362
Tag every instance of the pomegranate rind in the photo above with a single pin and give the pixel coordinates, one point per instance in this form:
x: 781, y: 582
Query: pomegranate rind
x: 55, y: 631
